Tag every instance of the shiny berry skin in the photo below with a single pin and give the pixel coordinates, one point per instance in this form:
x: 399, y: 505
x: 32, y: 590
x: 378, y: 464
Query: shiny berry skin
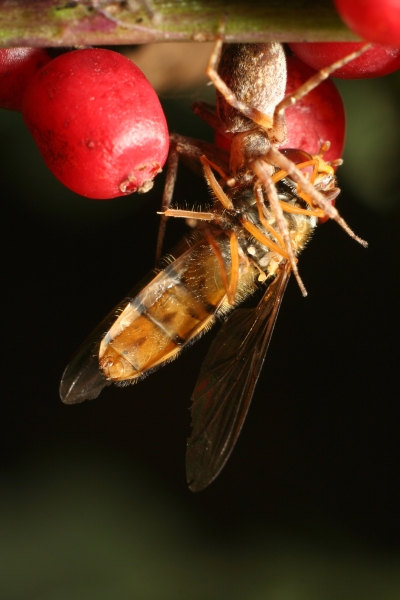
x: 97, y: 122
x: 17, y: 67
x: 375, y: 62
x: 374, y: 20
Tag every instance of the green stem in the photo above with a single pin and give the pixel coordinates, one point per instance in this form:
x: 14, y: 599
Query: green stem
x: 103, y: 22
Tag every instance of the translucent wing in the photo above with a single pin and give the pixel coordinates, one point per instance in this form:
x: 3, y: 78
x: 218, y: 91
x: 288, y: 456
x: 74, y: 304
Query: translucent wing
x: 226, y: 384
x: 82, y: 378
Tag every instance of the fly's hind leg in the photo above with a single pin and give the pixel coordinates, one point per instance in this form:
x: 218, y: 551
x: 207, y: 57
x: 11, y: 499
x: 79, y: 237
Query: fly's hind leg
x: 230, y: 283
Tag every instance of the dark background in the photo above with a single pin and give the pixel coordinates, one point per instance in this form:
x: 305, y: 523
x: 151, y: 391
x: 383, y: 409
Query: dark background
x: 93, y: 498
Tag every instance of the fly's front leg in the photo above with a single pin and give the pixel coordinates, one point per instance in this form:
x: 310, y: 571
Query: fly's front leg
x: 276, y: 158
x: 279, y: 175
x: 193, y: 150
x: 262, y: 171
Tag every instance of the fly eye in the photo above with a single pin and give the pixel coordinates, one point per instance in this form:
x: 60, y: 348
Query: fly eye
x: 299, y: 157
x: 295, y: 155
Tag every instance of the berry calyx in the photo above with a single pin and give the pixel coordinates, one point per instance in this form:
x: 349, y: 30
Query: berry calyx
x: 17, y: 67
x: 97, y: 122
x: 375, y: 62
x: 374, y: 21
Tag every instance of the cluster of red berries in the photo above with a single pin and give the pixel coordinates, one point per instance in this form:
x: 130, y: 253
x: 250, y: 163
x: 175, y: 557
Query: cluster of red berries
x: 100, y: 127
x: 320, y: 115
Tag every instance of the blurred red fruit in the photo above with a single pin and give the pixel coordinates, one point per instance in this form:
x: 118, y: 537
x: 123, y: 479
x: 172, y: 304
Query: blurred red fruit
x: 375, y: 62
x: 17, y: 67
x: 375, y: 21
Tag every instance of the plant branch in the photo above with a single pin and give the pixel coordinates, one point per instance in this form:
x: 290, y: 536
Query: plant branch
x: 107, y: 22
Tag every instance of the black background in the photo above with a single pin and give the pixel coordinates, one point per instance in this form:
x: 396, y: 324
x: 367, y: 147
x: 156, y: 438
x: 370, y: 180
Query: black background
x: 318, y: 457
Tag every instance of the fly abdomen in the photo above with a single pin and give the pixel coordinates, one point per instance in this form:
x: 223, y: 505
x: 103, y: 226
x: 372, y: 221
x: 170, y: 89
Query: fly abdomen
x: 170, y: 311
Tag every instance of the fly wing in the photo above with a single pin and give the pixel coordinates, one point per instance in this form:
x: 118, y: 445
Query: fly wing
x: 226, y: 384
x: 83, y: 378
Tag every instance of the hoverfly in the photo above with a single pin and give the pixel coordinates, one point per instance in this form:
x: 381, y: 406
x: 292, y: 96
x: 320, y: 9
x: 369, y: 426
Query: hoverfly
x: 262, y: 216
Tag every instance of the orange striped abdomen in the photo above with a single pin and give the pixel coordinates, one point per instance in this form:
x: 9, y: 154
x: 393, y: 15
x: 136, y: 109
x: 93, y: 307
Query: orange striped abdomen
x: 179, y: 303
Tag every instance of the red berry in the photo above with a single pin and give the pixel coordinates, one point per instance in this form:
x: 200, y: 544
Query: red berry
x: 374, y: 20
x: 222, y: 141
x: 375, y: 62
x: 97, y: 122
x: 316, y: 118
x: 17, y: 67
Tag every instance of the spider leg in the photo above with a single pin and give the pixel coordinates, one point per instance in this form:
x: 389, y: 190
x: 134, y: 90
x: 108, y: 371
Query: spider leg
x: 312, y: 83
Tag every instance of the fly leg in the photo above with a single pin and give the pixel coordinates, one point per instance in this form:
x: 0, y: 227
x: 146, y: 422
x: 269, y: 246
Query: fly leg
x: 216, y: 188
x: 276, y: 158
x: 262, y: 171
x: 213, y: 183
x: 231, y: 285
x: 192, y: 150
x: 281, y: 174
